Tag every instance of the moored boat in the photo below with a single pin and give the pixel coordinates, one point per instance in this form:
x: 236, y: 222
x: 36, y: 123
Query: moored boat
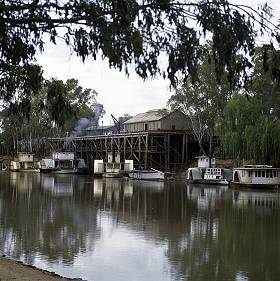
x: 113, y: 166
x: 257, y: 176
x: 63, y: 163
x: 207, y: 173
x: 24, y: 162
x: 151, y: 174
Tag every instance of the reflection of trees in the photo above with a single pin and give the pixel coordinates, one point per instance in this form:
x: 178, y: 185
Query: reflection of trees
x: 207, y: 237
x: 44, y: 220
x: 224, y: 242
x: 209, y: 234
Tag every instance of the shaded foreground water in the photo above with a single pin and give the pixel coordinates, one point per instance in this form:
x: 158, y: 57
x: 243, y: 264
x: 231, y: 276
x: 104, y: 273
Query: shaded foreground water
x: 111, y: 229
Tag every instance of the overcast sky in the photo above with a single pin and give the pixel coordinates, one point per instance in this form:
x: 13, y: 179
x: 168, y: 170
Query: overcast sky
x: 118, y: 93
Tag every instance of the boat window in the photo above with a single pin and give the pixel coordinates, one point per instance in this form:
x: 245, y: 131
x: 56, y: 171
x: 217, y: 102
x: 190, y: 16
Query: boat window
x: 274, y: 174
x: 263, y: 174
x: 256, y: 174
x: 270, y: 174
x: 259, y: 174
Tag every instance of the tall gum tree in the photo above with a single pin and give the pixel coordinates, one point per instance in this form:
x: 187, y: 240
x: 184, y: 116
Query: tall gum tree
x: 203, y: 101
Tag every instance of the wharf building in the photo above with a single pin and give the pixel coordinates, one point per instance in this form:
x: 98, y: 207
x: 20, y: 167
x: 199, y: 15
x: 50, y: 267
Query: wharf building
x: 154, y: 139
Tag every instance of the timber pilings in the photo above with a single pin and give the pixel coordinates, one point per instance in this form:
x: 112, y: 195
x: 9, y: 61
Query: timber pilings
x: 167, y: 151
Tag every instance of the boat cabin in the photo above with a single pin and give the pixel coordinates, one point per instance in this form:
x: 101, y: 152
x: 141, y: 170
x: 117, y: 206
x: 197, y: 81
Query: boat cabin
x: 213, y: 174
x: 24, y: 161
x: 63, y: 159
x: 205, y: 162
x: 257, y: 175
x: 206, y: 172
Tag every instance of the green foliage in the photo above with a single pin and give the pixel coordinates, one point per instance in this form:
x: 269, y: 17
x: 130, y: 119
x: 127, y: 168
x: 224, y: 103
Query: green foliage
x: 250, y: 131
x: 203, y: 101
x: 129, y: 32
x: 52, y: 112
x: 251, y: 127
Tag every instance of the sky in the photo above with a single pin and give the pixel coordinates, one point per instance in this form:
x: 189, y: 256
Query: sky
x: 118, y: 93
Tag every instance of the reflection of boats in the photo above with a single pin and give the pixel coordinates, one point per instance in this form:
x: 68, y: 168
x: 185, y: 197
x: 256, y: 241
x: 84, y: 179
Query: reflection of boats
x: 148, y: 184
x: 58, y: 185
x: 207, y: 173
x: 24, y: 163
x: 24, y: 182
x: 206, y: 195
x: 256, y: 199
x: 151, y: 174
x: 63, y: 163
x: 259, y: 176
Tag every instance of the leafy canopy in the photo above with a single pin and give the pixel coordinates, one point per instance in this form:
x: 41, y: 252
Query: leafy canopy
x: 249, y: 131
x: 203, y: 101
x: 127, y: 32
x: 250, y: 128
x: 52, y: 112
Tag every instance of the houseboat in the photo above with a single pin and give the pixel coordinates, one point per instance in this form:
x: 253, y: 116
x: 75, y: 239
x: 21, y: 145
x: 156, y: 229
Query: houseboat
x: 151, y: 174
x: 206, y: 172
x: 24, y: 162
x: 63, y: 163
x: 113, y: 166
x: 257, y: 176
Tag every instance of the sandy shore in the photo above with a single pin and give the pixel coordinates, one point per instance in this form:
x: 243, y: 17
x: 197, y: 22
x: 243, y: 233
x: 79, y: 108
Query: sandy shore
x: 13, y: 270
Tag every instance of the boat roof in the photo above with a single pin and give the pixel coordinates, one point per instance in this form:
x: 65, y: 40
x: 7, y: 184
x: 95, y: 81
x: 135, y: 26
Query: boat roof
x: 257, y: 167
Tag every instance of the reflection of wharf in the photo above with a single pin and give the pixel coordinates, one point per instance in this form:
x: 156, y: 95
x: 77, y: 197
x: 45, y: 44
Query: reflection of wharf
x: 163, y: 150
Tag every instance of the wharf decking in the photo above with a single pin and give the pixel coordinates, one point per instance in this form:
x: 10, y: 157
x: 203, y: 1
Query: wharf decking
x: 167, y: 151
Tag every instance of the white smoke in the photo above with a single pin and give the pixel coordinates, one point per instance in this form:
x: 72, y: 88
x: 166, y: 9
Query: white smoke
x: 84, y: 123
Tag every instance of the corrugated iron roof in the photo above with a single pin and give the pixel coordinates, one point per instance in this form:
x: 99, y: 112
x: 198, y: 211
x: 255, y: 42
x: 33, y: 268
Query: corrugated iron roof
x: 151, y: 115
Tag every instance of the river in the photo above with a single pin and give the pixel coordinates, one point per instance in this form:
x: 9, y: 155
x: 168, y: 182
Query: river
x: 117, y: 229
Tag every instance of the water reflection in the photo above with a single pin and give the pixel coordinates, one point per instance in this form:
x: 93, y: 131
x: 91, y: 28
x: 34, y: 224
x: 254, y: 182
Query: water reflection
x: 207, y: 196
x: 139, y: 230
x: 42, y: 224
x: 256, y: 198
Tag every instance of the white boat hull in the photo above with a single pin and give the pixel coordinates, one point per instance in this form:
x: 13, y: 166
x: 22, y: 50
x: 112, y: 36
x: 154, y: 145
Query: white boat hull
x: 112, y: 175
x: 62, y: 171
x: 204, y: 181
x: 256, y: 185
x: 200, y: 176
x: 146, y: 175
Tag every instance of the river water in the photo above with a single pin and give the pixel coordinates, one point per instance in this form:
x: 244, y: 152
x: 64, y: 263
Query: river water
x: 117, y: 229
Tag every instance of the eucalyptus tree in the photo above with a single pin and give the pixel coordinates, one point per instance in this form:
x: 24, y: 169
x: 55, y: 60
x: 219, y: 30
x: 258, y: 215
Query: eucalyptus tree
x: 203, y: 101
x: 127, y: 32
x: 262, y: 85
x: 52, y: 112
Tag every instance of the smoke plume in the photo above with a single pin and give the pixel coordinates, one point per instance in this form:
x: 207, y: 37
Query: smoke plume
x: 84, y: 123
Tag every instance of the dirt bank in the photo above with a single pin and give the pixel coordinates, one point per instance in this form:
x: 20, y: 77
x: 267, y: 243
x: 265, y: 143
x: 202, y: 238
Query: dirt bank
x: 13, y: 270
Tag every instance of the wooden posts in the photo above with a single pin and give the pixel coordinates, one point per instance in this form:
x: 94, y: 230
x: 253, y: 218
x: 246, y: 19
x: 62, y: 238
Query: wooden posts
x: 163, y: 150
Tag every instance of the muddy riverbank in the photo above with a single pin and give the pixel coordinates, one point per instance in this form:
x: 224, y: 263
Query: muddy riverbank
x: 14, y: 270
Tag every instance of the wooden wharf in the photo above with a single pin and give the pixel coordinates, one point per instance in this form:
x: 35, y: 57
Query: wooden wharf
x: 168, y: 151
